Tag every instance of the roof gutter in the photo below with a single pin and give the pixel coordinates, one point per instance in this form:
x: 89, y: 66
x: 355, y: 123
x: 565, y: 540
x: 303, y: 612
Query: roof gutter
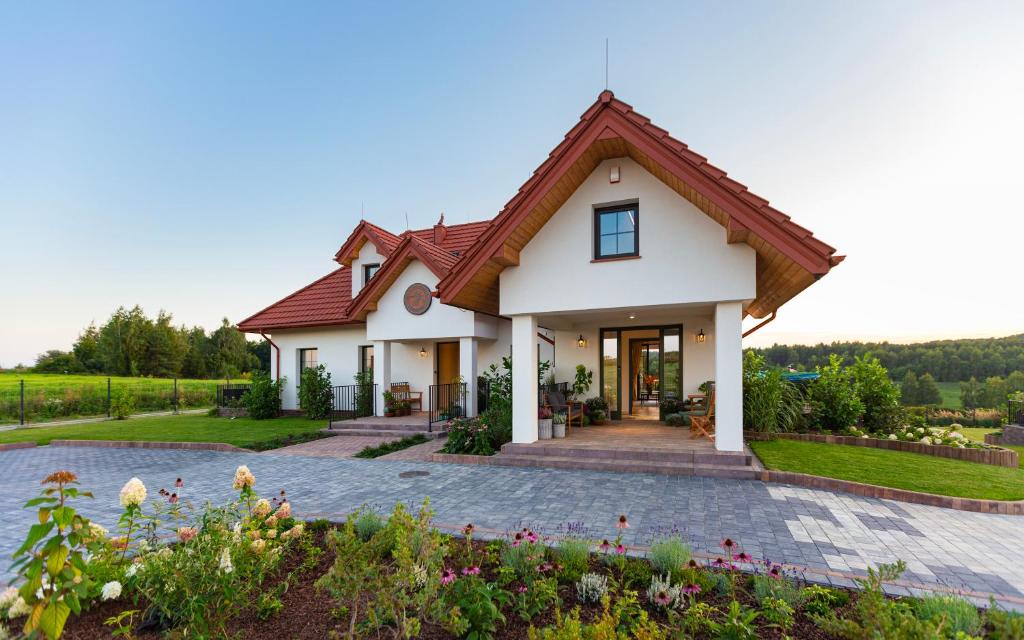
x: 277, y: 370
x: 761, y: 324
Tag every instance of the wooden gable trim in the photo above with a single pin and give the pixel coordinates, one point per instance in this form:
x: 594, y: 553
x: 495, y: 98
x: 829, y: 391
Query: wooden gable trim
x: 406, y: 251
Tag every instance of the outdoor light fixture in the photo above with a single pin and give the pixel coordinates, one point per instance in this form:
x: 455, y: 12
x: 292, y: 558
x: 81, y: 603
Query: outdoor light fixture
x: 423, y: 352
x: 613, y: 175
x: 581, y: 341
x: 700, y: 337
x: 632, y: 316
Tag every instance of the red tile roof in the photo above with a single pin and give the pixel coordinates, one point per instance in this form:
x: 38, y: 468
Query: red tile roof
x: 322, y: 302
x: 328, y: 300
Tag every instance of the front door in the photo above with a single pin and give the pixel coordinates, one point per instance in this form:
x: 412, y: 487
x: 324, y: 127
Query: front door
x: 669, y: 366
x: 447, y: 361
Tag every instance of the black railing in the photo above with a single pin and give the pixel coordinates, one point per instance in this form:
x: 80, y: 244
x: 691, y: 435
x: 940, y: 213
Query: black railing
x: 483, y: 394
x: 353, y: 401
x: 1015, y: 412
x: 447, y: 401
x: 229, y: 395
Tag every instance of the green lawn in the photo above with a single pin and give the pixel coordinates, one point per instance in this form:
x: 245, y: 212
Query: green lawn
x: 895, y: 469
x: 950, y: 394
x: 241, y: 432
x: 11, y: 380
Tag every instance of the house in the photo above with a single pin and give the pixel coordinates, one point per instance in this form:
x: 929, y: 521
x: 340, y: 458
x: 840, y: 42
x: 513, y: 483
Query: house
x: 625, y: 252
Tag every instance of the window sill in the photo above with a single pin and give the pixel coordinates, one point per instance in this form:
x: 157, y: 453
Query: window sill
x: 615, y: 259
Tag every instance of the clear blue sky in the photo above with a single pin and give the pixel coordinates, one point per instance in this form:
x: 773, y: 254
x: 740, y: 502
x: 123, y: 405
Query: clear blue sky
x: 209, y: 158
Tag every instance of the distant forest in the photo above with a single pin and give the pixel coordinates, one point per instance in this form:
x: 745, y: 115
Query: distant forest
x: 944, y: 360
x: 130, y: 343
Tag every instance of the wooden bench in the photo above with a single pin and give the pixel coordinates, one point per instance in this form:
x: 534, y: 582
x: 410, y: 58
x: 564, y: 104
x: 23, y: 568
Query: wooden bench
x: 403, y: 393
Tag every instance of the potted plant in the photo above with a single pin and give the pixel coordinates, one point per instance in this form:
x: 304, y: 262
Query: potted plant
x: 544, y: 423
x: 584, y: 379
x: 558, y: 425
x: 596, y: 409
x: 390, y: 406
x: 405, y: 408
x: 597, y: 416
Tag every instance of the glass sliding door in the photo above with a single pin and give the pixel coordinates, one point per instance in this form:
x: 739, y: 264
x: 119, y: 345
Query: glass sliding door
x: 671, y: 363
x: 610, y: 372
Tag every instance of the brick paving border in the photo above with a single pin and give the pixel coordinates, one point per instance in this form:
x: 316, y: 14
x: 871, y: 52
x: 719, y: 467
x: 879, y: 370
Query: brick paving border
x: 16, y: 445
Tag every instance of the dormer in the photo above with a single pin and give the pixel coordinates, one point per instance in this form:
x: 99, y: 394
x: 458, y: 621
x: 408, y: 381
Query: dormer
x: 364, y: 252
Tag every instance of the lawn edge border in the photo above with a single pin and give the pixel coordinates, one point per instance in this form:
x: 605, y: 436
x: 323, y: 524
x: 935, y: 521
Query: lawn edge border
x: 148, y: 444
x: 1003, y: 507
x: 996, y: 456
x: 11, y: 446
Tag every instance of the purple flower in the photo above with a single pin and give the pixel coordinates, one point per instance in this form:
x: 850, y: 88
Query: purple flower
x: 691, y: 589
x: 622, y: 523
x: 742, y: 557
x: 604, y: 546
x: 522, y: 589
x: 620, y: 549
x: 719, y: 562
x: 447, y: 576
x: 471, y: 570
x: 662, y: 598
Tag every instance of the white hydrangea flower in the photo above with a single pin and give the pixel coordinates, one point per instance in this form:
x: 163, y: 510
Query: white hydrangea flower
x: 19, y: 608
x: 225, y: 561
x: 8, y: 596
x: 97, y: 530
x: 243, y: 478
x: 111, y: 590
x: 892, y: 436
x: 262, y: 508
x: 133, y: 493
x: 925, y: 440
x: 132, y: 569
x: 920, y: 430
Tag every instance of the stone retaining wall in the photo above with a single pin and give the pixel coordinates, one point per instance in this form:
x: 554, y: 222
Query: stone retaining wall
x: 1012, y: 434
x: 996, y: 457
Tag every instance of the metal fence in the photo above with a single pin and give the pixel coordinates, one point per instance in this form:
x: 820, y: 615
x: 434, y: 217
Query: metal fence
x: 230, y: 395
x: 352, y: 401
x: 44, y: 400
x: 1015, y: 412
x: 447, y: 401
x: 483, y: 394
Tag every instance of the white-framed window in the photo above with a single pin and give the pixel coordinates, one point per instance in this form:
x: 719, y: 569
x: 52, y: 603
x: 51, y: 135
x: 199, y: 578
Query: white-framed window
x: 307, y: 360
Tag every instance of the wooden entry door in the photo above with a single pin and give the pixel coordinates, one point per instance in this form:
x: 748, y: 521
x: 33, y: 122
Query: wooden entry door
x: 447, y: 360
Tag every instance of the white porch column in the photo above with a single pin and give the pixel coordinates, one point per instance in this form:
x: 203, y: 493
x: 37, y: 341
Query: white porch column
x: 468, y: 371
x: 729, y: 376
x: 381, y: 371
x: 524, y: 379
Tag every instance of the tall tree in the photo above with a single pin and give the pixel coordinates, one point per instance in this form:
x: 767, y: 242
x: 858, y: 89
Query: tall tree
x: 928, y: 390
x: 910, y: 391
x: 971, y: 393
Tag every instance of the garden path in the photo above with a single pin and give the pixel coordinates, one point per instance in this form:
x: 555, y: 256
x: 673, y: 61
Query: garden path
x: 829, y: 536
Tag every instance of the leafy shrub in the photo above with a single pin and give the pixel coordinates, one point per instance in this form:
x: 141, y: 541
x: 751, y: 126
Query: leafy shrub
x: 367, y: 524
x: 956, y: 614
x: 582, y: 382
x: 771, y: 404
x: 677, y: 420
x: 364, y: 393
x: 833, y: 397
x: 878, y: 394
x: 263, y: 398
x: 737, y: 623
x: 669, y: 556
x: 315, y: 397
x: 777, y: 612
x: 671, y: 405
x: 477, y: 606
x: 697, y: 619
x: 1004, y: 625
x: 636, y: 573
x: 122, y: 405
x: 469, y: 436
x: 591, y: 588
x: 819, y: 600
x: 574, y: 556
x: 769, y: 588
x: 596, y: 403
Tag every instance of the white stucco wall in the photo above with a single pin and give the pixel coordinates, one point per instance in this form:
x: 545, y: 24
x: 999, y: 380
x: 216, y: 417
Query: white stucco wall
x: 684, y: 256
x: 367, y: 255
x: 337, y: 349
x: 391, y: 321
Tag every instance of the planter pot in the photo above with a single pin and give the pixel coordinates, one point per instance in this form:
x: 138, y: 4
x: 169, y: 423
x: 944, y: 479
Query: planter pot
x: 558, y: 430
x: 389, y: 414
x: 544, y: 429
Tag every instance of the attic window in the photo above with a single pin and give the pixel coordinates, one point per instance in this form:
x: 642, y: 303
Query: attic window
x: 616, y: 232
x: 455, y: 253
x: 369, y: 270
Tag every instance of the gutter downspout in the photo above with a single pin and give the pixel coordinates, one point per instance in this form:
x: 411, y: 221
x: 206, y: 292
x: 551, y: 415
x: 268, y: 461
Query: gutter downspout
x: 277, y: 370
x: 758, y: 326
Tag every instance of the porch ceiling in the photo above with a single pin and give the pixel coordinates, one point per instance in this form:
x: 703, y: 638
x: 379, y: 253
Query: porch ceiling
x: 620, y: 317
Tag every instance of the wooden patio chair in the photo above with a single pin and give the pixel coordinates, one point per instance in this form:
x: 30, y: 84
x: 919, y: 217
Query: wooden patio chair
x: 573, y: 410
x: 704, y: 425
x: 403, y: 393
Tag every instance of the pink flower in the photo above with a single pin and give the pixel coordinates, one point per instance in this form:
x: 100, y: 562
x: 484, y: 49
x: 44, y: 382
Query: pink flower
x: 663, y: 599
x: 447, y: 576
x: 620, y: 549
x: 719, y: 562
x: 468, y: 529
x: 531, y: 536
x: 691, y: 589
x: 622, y: 523
x: 544, y: 567
x: 178, y: 483
x: 173, y: 499
x: 471, y: 570
x: 522, y: 589
x: 727, y: 544
x: 775, y: 572
x: 742, y: 557
x: 187, y: 533
x: 604, y: 546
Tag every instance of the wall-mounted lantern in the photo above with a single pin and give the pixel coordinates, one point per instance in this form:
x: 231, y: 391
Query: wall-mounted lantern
x: 581, y: 342
x: 423, y: 352
x: 700, y: 337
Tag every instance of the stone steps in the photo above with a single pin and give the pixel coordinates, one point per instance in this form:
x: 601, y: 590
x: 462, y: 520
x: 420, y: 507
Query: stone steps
x: 630, y: 455
x: 396, y: 433
x: 738, y: 472
x: 356, y: 425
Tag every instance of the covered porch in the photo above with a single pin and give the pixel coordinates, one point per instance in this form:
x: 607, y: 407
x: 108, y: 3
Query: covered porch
x: 641, y: 358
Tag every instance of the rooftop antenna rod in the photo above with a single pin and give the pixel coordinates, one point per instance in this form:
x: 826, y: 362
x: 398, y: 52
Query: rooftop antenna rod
x: 606, y: 64
x: 406, y: 220
x: 362, y: 212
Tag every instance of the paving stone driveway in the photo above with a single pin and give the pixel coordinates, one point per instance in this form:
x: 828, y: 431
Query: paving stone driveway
x: 833, y: 536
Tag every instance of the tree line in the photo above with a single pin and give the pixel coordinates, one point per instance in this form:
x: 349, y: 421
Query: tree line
x: 943, y: 360
x: 130, y: 343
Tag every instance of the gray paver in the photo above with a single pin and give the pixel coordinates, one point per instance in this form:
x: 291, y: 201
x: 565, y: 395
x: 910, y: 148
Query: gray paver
x: 820, y: 530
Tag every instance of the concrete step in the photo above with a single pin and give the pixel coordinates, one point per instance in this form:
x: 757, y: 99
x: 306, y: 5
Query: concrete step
x: 626, y: 466
x: 355, y: 425
x: 539, y: 449
x: 396, y: 433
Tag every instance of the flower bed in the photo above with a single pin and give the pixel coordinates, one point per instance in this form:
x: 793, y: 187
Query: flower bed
x: 247, y: 569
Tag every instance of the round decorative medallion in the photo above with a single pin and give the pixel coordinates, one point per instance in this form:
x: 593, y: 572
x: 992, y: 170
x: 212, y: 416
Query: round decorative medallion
x: 417, y: 299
